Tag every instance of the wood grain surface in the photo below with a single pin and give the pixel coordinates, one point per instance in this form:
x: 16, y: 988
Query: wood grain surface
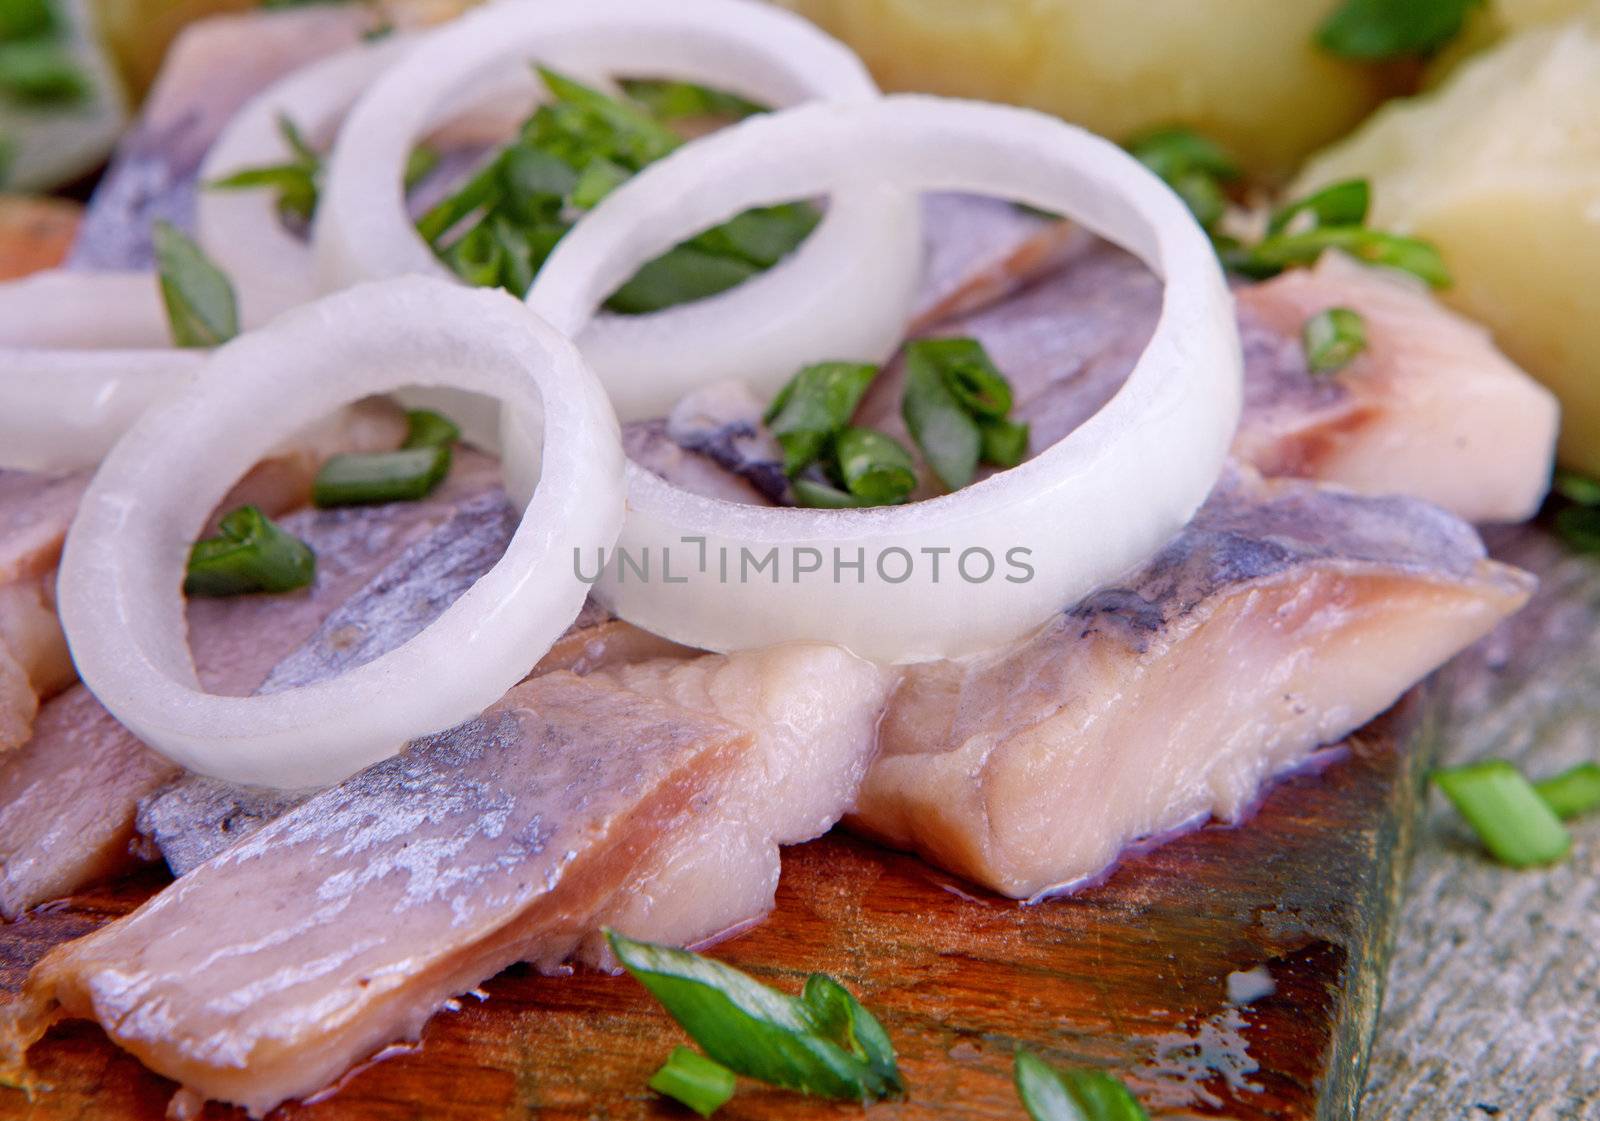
x: 1131, y: 974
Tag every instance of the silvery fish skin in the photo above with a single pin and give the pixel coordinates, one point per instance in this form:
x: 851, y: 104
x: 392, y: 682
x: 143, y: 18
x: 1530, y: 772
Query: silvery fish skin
x: 812, y: 710
x: 1283, y: 617
x: 68, y: 796
x: 1430, y: 410
x: 343, y: 925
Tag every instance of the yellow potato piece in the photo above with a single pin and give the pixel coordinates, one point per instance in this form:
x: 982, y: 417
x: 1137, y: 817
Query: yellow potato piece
x: 1243, y: 71
x: 1500, y: 167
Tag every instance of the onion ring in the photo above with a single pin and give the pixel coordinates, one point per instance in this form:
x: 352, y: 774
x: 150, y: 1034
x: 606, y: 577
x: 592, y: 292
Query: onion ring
x: 1088, y: 508
x: 271, y: 266
x: 758, y: 331
x: 82, y: 354
x: 125, y: 555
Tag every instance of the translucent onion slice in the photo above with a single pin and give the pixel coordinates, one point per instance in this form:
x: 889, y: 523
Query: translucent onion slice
x: 850, y: 284
x: 1085, y: 510
x: 82, y: 354
x: 270, y: 264
x: 125, y: 556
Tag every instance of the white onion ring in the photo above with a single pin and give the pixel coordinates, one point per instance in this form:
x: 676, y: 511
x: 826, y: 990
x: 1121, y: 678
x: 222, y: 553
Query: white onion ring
x: 757, y: 332
x: 125, y: 555
x: 270, y: 265
x: 1091, y: 507
x: 82, y: 354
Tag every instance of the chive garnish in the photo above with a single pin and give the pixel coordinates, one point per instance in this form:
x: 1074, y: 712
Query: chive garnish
x: 1332, y: 339
x: 943, y: 429
x: 822, y: 1042
x: 1050, y: 1094
x: 1194, y: 166
x: 400, y: 476
x: 249, y: 554
x: 1339, y: 204
x: 199, y: 299
x: 1574, y: 791
x: 1005, y: 442
x: 1503, y: 808
x: 823, y: 496
x: 41, y: 71
x: 875, y: 468
x: 296, y: 180
x: 428, y: 429
x: 1277, y: 252
x: 1377, y: 30
x: 814, y: 406
x: 691, y: 1079
x: 674, y: 101
x: 27, y: 19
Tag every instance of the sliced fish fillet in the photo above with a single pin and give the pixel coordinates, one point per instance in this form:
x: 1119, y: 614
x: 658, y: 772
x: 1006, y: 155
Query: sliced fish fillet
x: 343, y: 925
x: 1284, y: 616
x: 812, y: 710
x: 978, y: 250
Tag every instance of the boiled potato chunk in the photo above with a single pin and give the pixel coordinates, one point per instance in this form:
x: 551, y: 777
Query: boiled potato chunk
x: 1500, y: 167
x: 1243, y: 71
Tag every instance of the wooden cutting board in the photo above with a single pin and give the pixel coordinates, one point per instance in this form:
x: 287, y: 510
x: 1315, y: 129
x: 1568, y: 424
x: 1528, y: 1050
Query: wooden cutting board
x: 1132, y: 974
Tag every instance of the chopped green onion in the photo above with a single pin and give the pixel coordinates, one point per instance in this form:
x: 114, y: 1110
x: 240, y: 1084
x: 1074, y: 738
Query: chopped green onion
x: 597, y: 180
x: 428, y: 429
x: 1577, y: 488
x: 1340, y: 204
x: 681, y: 275
x: 419, y: 165
x: 1333, y: 338
x: 199, y: 299
x: 1049, y: 1094
x: 875, y: 468
x: 823, y: 496
x: 1194, y: 166
x: 691, y: 1079
x: 945, y: 432
x: 817, y: 404
x: 823, y: 1042
x: 26, y: 19
x: 965, y: 366
x: 1005, y: 442
x: 674, y: 101
x: 1377, y: 30
x: 296, y: 181
x: 400, y: 476
x: 1572, y: 792
x: 1280, y: 251
x: 1579, y: 527
x: 1513, y: 821
x: 41, y: 72
x: 249, y: 554
x: 477, y: 257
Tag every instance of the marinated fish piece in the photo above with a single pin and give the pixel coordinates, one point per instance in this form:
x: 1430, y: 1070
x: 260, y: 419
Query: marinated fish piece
x: 979, y: 250
x: 1414, y: 415
x: 343, y: 925
x: 650, y: 445
x: 1283, y: 617
x: 1431, y: 408
x: 68, y: 796
x: 812, y: 710
x: 723, y: 423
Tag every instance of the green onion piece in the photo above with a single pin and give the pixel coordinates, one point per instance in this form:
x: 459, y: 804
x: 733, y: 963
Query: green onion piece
x: 965, y: 366
x: 482, y: 190
x: 1005, y: 442
x: 945, y: 432
x: 1579, y: 527
x: 1572, y: 792
x: 817, y: 403
x: 1506, y: 812
x: 1333, y: 338
x: 1049, y: 1094
x: 680, y: 275
x: 602, y: 125
x: 401, y: 476
x: 823, y: 496
x: 1577, y: 488
x: 419, y: 165
x: 818, y: 1044
x: 41, y: 72
x: 249, y: 554
x: 1280, y: 251
x: 296, y: 181
x: 674, y: 101
x: 1339, y: 204
x: 1192, y: 165
x: 691, y: 1079
x: 875, y: 468
x: 1377, y: 30
x: 428, y: 429
x: 200, y: 304
x: 597, y: 180
x: 26, y: 19
x: 477, y: 257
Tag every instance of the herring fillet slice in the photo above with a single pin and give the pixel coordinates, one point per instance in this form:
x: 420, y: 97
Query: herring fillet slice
x: 812, y: 710
x: 343, y: 925
x: 1284, y: 616
x: 68, y: 796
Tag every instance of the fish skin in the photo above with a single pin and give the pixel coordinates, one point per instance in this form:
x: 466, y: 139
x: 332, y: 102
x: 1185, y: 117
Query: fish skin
x: 1283, y: 617
x: 69, y: 796
x: 498, y: 841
